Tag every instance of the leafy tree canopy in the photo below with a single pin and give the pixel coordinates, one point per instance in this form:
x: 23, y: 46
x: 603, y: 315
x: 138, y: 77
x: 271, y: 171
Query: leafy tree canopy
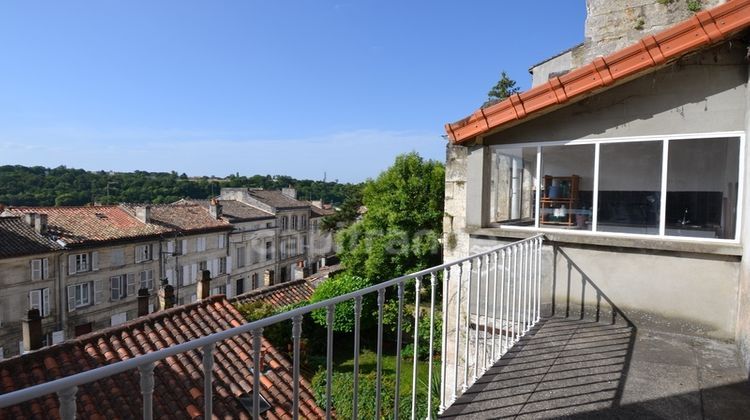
x: 343, y: 320
x: 400, y: 231
x: 502, y: 89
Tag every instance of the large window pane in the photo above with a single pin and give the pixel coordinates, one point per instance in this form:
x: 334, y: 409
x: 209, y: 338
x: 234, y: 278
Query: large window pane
x: 702, y: 185
x: 568, y: 184
x: 513, y: 189
x: 629, y: 187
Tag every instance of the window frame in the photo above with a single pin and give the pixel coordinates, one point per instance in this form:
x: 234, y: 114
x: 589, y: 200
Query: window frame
x: 143, y: 256
x: 666, y: 139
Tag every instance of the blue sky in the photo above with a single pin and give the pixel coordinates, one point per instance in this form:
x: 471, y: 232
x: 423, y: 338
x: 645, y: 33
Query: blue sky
x: 281, y: 87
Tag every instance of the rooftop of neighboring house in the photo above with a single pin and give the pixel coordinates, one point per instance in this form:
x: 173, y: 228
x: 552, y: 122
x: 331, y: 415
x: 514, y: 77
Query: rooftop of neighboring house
x: 705, y: 29
x: 279, y: 295
x: 185, y: 217
x: 235, y: 211
x: 91, y: 224
x: 318, y: 209
x: 277, y: 199
x: 18, y: 237
x: 178, y: 380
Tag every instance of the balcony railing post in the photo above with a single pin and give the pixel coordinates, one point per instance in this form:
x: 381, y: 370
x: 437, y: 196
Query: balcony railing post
x: 208, y: 394
x: 397, y: 392
x: 444, y: 339
x: 486, y: 310
x: 465, y: 385
x: 476, y: 322
x: 496, y: 266
x: 417, y: 286
x: 357, y: 321
x: 330, y: 312
x: 257, y: 335
x: 433, y: 285
x: 296, y: 336
x: 539, y: 278
x: 146, y: 373
x: 67, y: 399
x: 379, y: 363
x: 457, y: 344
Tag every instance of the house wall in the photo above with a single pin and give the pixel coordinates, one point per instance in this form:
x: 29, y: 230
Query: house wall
x: 253, y: 236
x: 15, y: 277
x: 186, y: 292
x: 662, y: 284
x: 743, y: 319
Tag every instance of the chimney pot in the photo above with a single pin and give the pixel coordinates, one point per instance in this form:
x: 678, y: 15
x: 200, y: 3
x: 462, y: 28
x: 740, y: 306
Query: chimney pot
x: 289, y: 192
x: 143, y: 297
x: 40, y: 223
x: 215, y: 209
x: 143, y: 213
x: 166, y: 297
x: 31, y: 330
x: 204, y: 285
x: 30, y: 219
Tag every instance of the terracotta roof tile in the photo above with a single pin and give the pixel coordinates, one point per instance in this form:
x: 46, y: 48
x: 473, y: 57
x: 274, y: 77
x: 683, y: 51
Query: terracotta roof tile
x: 235, y: 211
x: 704, y: 29
x: 178, y: 379
x: 18, y: 238
x: 278, y: 295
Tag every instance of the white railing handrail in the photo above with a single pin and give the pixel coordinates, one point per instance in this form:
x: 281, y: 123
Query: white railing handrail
x: 82, y: 378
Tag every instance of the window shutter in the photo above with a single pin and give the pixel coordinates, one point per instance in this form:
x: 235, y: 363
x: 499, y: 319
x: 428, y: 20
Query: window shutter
x: 71, y: 264
x: 45, y: 302
x: 36, y: 269
x: 154, y: 252
x: 185, y: 275
x: 114, y: 288
x: 194, y: 278
x: 184, y: 246
x: 170, y: 247
x: 215, y: 267
x: 95, y: 260
x: 229, y: 291
x: 98, y: 291
x: 71, y: 298
x: 170, y: 276
x: 45, y: 268
x: 131, y: 284
x: 35, y: 300
x: 150, y: 279
x: 222, y: 244
x: 229, y: 265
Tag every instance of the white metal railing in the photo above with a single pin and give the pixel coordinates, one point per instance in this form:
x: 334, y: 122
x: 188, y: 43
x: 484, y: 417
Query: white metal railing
x: 513, y: 270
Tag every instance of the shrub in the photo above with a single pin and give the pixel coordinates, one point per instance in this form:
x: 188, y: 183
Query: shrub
x: 344, y: 313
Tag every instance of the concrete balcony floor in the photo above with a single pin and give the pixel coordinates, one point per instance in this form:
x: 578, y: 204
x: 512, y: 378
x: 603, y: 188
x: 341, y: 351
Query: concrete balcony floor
x: 584, y: 369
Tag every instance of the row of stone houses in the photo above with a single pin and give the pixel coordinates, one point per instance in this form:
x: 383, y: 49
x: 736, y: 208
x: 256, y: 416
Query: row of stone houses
x: 88, y: 268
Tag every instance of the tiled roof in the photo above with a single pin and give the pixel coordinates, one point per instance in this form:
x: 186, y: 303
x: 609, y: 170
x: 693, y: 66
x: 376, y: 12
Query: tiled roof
x: 316, y: 211
x: 185, y: 217
x: 236, y: 211
x: 18, y: 238
x: 77, y: 225
x: 704, y: 29
x: 276, y: 199
x: 279, y: 295
x: 178, y: 392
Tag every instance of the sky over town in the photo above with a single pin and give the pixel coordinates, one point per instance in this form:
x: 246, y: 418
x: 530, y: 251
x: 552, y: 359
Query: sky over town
x: 301, y: 88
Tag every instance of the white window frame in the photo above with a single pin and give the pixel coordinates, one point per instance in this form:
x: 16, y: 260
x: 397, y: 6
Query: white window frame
x: 146, y: 278
x: 39, y: 269
x: 200, y: 244
x: 241, y: 254
x: 222, y: 241
x: 222, y: 265
x: 144, y: 253
x: 665, y: 158
x: 42, y: 298
x: 74, y: 298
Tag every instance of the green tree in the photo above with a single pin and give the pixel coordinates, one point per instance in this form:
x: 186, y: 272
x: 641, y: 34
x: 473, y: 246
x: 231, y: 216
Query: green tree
x: 401, y: 229
x: 502, y: 89
x: 343, y: 320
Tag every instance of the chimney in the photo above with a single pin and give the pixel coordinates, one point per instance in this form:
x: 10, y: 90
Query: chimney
x: 215, y: 209
x: 204, y: 285
x: 166, y: 297
x: 289, y: 192
x: 30, y: 219
x: 31, y: 330
x: 317, y: 203
x: 143, y: 297
x: 143, y: 213
x: 40, y: 223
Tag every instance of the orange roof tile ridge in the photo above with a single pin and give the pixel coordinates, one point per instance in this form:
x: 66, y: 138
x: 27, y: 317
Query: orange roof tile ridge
x: 705, y: 28
x: 269, y: 289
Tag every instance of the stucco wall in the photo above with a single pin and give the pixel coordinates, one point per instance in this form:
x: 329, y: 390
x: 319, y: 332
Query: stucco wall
x: 743, y: 320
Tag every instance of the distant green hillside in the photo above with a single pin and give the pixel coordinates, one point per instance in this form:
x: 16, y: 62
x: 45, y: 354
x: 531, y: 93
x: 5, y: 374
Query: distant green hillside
x: 61, y: 186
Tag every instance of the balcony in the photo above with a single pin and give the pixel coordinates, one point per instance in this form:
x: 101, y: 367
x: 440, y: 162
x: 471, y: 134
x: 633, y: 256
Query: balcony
x: 505, y: 352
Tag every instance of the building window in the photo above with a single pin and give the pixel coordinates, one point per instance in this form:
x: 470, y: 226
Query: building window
x: 39, y: 299
x: 143, y: 253
x: 78, y: 263
x: 269, y: 251
x: 254, y: 281
x: 240, y: 286
x: 223, y: 265
x: 183, y: 248
x: 284, y: 221
x: 282, y: 249
x: 200, y: 244
x: 39, y: 269
x: 269, y: 225
x: 304, y: 222
x: 222, y: 241
x: 304, y: 242
x: 240, y: 256
x: 121, y: 286
x: 293, y: 246
x: 117, y: 257
x: 203, y: 265
x: 146, y: 279
x: 79, y: 295
x: 294, y: 222
x: 671, y: 187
